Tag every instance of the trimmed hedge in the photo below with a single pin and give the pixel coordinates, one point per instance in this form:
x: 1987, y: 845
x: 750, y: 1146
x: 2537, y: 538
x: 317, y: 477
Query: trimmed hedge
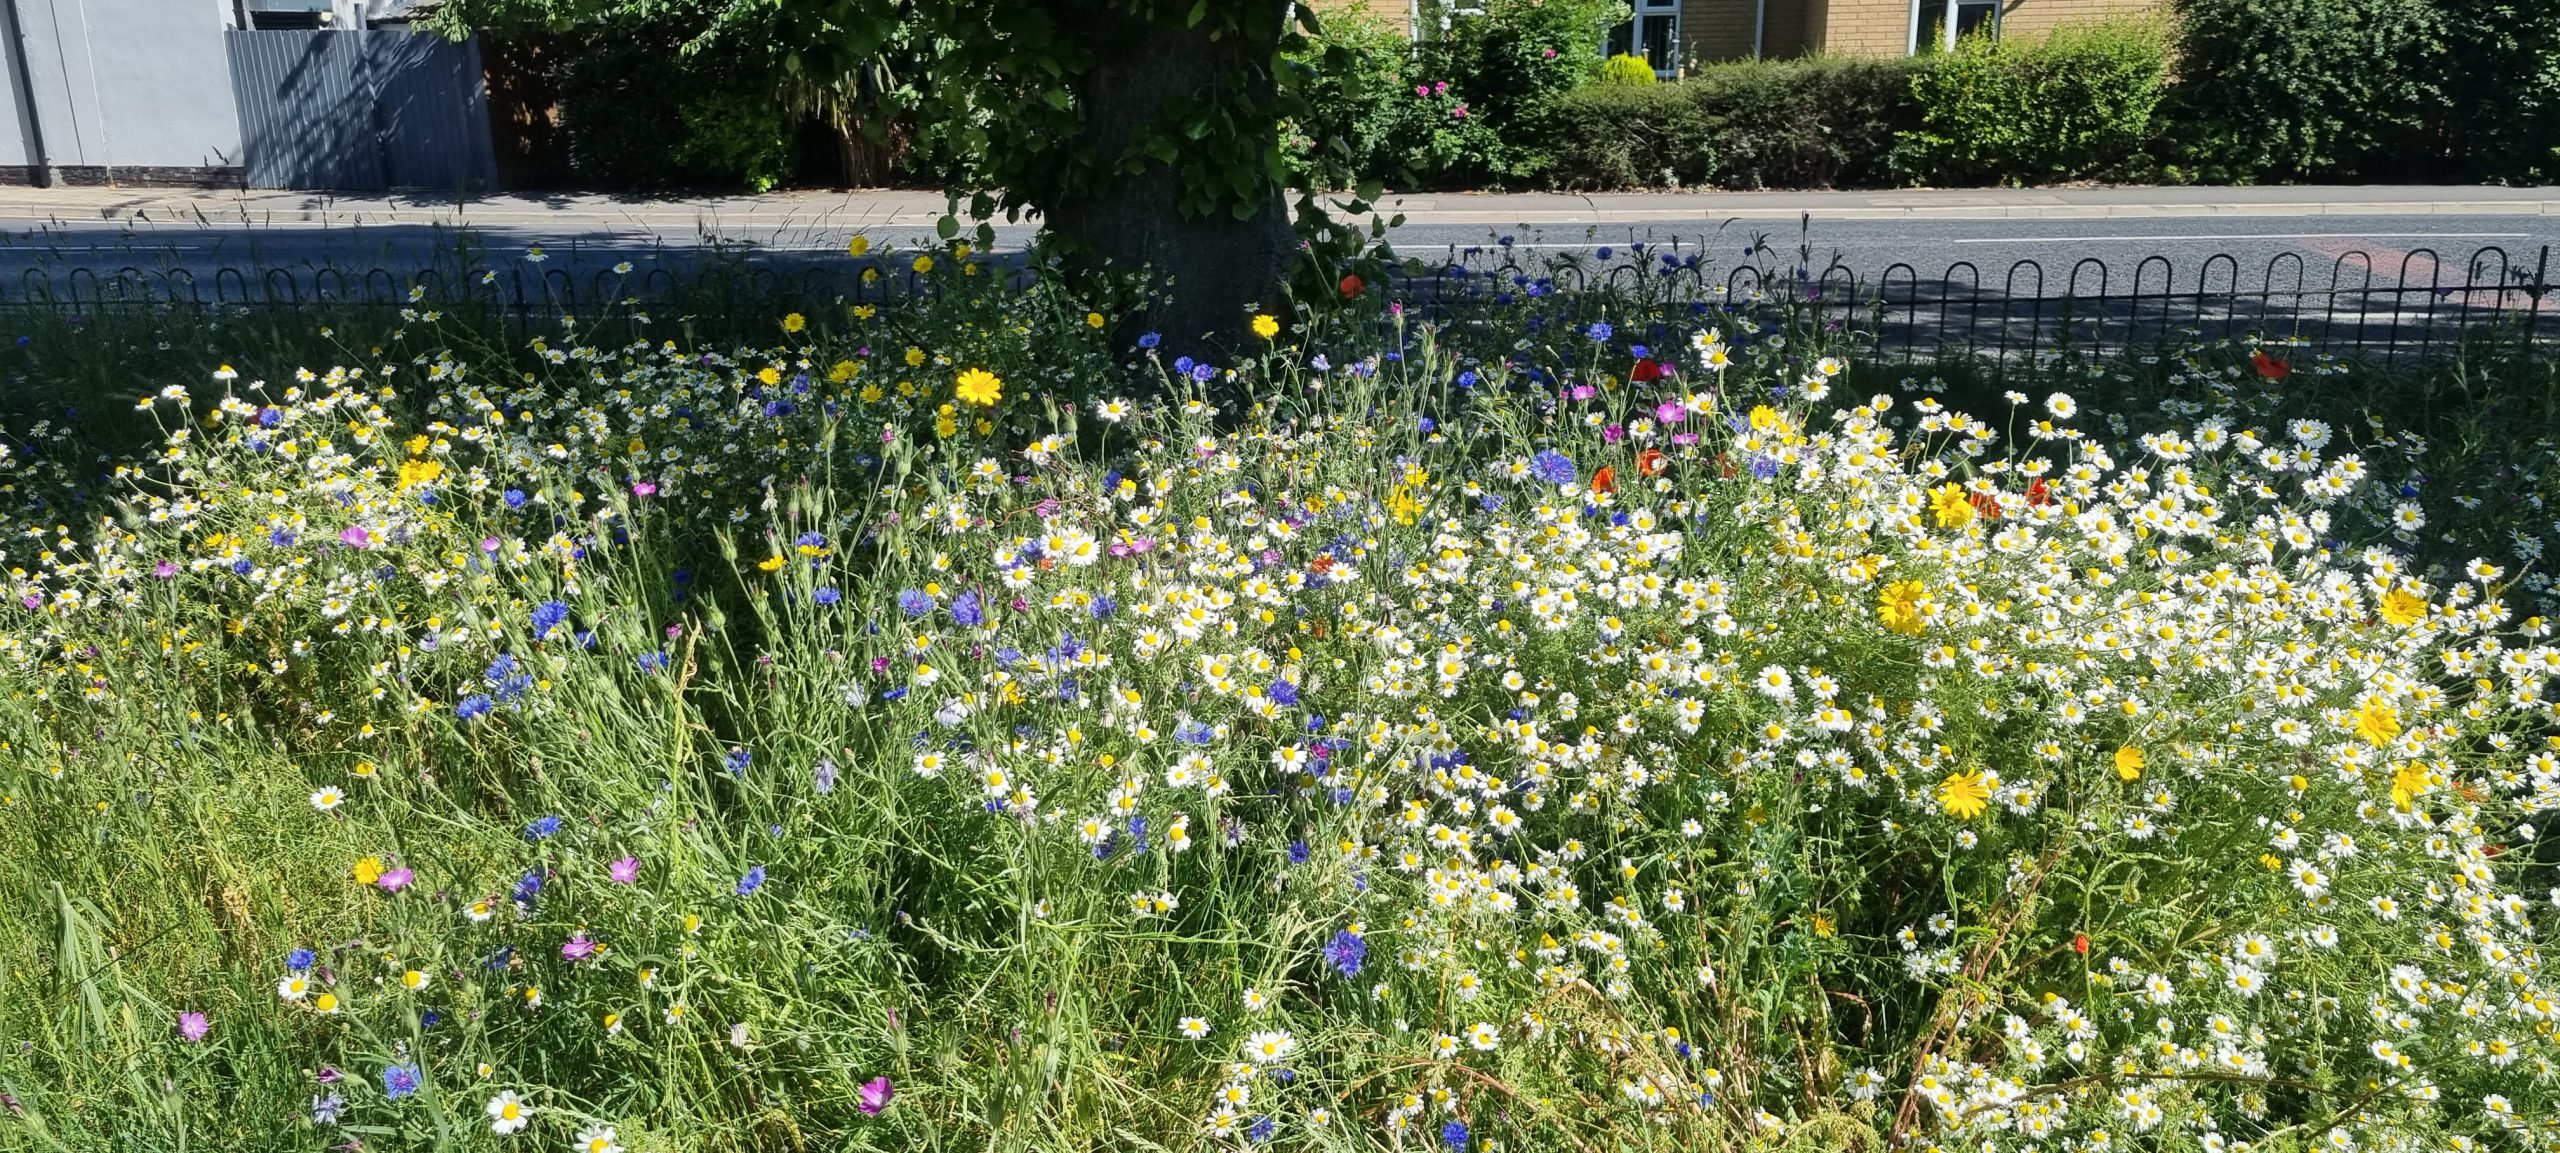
x: 1811, y: 123
x: 2079, y: 105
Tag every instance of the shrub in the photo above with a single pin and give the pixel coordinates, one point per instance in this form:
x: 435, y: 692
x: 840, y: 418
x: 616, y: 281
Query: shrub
x: 1815, y: 123
x: 1627, y: 70
x: 2294, y: 89
x: 2502, y: 90
x: 1631, y: 136
x: 639, y: 112
x: 2077, y: 105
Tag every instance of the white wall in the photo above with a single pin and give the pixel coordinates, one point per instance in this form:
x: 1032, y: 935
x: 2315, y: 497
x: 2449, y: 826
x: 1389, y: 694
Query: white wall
x: 125, y: 83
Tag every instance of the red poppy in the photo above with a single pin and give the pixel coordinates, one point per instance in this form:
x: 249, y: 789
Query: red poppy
x: 1649, y: 462
x: 2039, y: 494
x: 1322, y: 564
x: 1351, y: 284
x: 1605, y: 480
x: 2080, y: 943
x: 1986, y: 504
x: 2269, y: 367
x: 1647, y: 369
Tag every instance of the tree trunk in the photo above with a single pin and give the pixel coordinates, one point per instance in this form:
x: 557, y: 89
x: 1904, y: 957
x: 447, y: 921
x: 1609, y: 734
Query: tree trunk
x: 1210, y: 272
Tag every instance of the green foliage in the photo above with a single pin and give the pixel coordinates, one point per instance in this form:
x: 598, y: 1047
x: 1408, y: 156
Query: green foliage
x: 641, y: 108
x: 1812, y: 123
x: 2077, y: 105
x: 2503, y: 89
x: 2303, y: 89
x: 1627, y: 70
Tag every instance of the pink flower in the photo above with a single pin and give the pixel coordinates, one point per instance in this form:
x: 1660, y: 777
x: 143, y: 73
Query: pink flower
x: 1440, y: 88
x: 396, y: 880
x: 1422, y: 90
x: 165, y: 569
x: 1613, y: 434
x: 1584, y: 392
x: 1458, y: 113
x: 1550, y: 54
x: 625, y: 871
x: 875, y: 1095
x: 193, y: 1026
x: 356, y: 536
x: 577, y: 947
x: 489, y: 544
x: 643, y: 488
x: 1670, y: 412
x: 1684, y: 438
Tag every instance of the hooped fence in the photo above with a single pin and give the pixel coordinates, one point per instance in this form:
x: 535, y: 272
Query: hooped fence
x: 2418, y: 306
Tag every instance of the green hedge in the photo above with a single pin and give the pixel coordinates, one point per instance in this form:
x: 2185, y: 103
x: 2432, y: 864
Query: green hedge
x: 2079, y: 105
x: 1813, y: 123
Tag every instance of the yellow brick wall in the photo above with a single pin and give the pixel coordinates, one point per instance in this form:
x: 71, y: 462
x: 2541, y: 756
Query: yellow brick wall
x: 2033, y: 19
x: 1712, y: 30
x: 1883, y: 27
x: 1395, y: 14
x: 1864, y: 27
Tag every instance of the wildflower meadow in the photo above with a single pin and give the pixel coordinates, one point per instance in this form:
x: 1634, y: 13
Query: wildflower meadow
x: 1586, y: 721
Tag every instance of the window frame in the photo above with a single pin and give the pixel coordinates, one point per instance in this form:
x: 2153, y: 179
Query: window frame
x: 1640, y: 11
x: 1950, y: 19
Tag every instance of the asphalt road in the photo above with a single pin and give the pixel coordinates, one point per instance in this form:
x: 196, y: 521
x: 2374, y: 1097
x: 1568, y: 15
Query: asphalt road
x: 2013, y: 254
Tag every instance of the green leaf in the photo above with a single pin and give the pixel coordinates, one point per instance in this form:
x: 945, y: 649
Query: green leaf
x: 948, y: 226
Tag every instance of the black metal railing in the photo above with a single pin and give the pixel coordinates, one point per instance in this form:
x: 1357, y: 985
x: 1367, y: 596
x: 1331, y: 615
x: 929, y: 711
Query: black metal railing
x: 2415, y: 307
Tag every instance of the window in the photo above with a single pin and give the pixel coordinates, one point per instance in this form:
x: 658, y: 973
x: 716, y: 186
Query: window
x: 1654, y: 34
x: 1936, y: 25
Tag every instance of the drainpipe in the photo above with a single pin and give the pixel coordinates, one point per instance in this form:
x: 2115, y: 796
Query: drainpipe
x: 39, y: 164
x: 1759, y: 27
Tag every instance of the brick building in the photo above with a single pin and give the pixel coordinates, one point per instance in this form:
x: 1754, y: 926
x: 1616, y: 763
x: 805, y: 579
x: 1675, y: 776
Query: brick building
x: 1676, y: 32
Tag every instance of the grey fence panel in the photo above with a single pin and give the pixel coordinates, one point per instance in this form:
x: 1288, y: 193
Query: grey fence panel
x: 435, y: 115
x: 306, y: 114
x: 361, y: 110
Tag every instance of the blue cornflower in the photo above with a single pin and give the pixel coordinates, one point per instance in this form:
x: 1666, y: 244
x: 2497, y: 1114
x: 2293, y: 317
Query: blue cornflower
x: 653, y: 662
x: 300, y: 960
x: 541, y: 828
x: 737, y: 761
x: 1345, y: 953
x: 1454, y: 1135
x: 1137, y: 833
x: 1299, y: 853
x: 1467, y: 379
x: 1605, y: 253
x: 325, y: 1108
x: 1764, y: 467
x: 474, y: 707
x: 1203, y: 373
x: 754, y: 880
x: 281, y: 538
x: 827, y: 596
x: 399, y: 1081
x: 914, y: 602
x: 967, y: 611
x: 826, y: 776
x: 1600, y: 331
x: 514, y: 497
x: 1284, y: 692
x: 1261, y: 1129
x: 1191, y: 732
x: 1552, y: 467
x: 547, y: 616
x: 527, y: 888
x: 268, y: 417
x: 1149, y: 340
x: 1103, y: 607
